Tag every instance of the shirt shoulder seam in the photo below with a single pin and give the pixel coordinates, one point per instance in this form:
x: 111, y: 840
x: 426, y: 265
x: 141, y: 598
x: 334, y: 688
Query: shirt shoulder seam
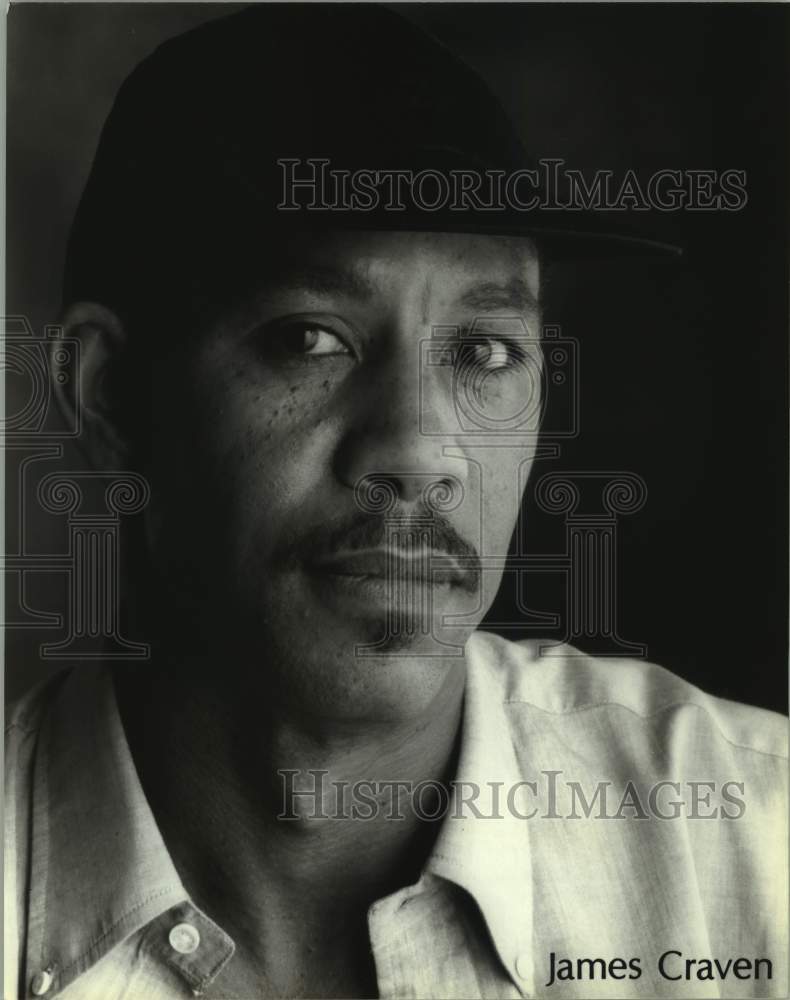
x: 649, y: 715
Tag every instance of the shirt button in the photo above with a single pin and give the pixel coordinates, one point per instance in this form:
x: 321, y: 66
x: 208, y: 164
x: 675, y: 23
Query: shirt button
x: 40, y: 983
x: 184, y: 938
x: 524, y: 965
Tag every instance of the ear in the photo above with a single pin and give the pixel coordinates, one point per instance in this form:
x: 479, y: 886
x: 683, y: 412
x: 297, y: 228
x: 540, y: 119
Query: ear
x: 89, y: 388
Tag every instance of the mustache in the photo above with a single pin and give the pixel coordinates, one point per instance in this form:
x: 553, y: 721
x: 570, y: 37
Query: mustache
x: 418, y: 526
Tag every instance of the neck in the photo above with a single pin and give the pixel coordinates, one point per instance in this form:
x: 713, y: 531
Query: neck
x: 222, y: 770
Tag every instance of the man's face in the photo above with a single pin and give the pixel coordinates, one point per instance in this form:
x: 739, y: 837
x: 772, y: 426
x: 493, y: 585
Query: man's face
x: 370, y: 407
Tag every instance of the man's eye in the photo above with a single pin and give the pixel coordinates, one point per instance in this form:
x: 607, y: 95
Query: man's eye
x: 489, y: 355
x: 303, y: 340
x: 492, y: 355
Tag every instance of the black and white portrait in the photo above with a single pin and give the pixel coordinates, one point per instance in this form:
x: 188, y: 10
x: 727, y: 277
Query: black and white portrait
x: 396, y: 466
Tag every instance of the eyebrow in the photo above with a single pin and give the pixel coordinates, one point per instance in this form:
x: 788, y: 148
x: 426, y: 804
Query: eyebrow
x: 490, y: 295
x: 486, y: 296
x: 324, y: 279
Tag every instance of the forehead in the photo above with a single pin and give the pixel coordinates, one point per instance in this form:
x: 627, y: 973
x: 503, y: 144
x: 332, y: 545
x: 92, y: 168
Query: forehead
x: 444, y: 265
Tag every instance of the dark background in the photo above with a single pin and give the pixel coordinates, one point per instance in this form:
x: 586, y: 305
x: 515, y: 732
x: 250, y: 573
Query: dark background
x: 683, y: 366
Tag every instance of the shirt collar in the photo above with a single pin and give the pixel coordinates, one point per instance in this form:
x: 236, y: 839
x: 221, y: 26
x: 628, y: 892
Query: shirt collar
x: 101, y: 870
x: 483, y: 846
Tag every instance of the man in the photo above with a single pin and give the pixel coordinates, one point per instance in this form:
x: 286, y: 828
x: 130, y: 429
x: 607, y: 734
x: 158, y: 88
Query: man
x: 323, y: 782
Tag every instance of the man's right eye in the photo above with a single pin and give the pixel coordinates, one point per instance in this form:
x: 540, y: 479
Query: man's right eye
x: 301, y: 339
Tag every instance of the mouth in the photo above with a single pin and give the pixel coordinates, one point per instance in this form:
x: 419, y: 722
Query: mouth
x: 405, y: 591
x: 401, y: 569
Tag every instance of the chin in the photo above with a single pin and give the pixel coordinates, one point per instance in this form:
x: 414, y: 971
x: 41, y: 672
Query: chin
x: 356, y: 680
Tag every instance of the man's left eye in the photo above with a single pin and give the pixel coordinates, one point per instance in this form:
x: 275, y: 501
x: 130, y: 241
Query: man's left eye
x: 492, y: 355
x: 489, y: 355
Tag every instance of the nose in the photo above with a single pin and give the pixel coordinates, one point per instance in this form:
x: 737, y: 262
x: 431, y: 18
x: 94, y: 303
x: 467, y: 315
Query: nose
x: 397, y: 446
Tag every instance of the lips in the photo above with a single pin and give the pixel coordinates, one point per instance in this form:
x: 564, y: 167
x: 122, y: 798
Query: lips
x: 420, y: 567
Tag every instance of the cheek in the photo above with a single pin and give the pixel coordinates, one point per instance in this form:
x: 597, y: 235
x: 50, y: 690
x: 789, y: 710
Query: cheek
x: 505, y: 476
x: 272, y: 447
x: 500, y: 503
x: 511, y: 403
x: 236, y: 447
x: 239, y: 405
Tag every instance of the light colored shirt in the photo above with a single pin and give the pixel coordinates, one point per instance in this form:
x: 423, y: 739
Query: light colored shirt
x: 571, y: 847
